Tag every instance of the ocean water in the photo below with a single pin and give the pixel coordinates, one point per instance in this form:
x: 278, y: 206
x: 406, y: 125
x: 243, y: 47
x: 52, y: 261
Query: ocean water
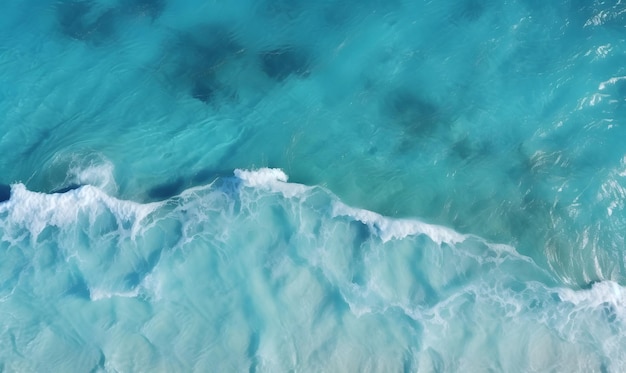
x: 332, y: 186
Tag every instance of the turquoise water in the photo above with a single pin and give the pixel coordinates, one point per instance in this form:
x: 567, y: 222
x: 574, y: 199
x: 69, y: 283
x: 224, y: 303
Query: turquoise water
x: 330, y: 186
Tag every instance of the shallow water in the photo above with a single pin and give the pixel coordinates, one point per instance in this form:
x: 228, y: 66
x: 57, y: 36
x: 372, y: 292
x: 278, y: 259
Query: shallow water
x: 455, y: 198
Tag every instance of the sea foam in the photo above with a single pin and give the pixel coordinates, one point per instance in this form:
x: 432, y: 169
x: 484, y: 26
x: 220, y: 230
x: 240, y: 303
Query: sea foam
x: 36, y: 210
x: 215, y: 266
x: 499, y: 121
x: 387, y: 228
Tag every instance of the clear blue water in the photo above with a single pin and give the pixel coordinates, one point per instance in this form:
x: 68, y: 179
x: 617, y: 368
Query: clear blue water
x: 340, y: 186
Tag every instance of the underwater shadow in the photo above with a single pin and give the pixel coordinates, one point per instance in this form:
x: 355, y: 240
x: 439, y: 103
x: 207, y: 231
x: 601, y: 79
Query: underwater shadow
x: 282, y: 62
x: 174, y: 187
x: 66, y: 189
x: 167, y: 190
x: 198, y: 55
x: 80, y: 20
x: 414, y: 114
x: 149, y: 8
x: 5, y: 192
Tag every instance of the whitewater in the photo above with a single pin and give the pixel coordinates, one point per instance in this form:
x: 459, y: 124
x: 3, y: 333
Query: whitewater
x: 338, y: 186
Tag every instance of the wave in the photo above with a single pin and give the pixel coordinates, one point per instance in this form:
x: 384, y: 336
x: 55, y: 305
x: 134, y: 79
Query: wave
x: 255, y: 271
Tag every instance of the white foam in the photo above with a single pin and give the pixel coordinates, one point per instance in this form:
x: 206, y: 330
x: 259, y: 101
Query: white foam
x: 390, y: 228
x: 86, y: 169
x: 152, y: 284
x: 37, y: 210
x: 610, y: 81
x: 599, y: 294
x: 99, y: 175
x: 273, y: 179
x: 261, y: 177
x: 97, y: 294
x: 386, y: 228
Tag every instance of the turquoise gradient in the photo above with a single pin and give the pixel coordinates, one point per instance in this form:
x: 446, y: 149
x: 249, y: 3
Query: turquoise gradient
x: 312, y: 186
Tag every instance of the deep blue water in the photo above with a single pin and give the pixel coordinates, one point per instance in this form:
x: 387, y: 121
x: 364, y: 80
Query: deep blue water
x: 337, y: 186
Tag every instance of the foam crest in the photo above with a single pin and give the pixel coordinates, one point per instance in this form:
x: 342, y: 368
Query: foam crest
x: 83, y: 168
x: 273, y: 179
x: 385, y: 227
x: 388, y: 228
x: 599, y: 294
x: 38, y: 210
x: 99, y: 175
x: 261, y: 177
